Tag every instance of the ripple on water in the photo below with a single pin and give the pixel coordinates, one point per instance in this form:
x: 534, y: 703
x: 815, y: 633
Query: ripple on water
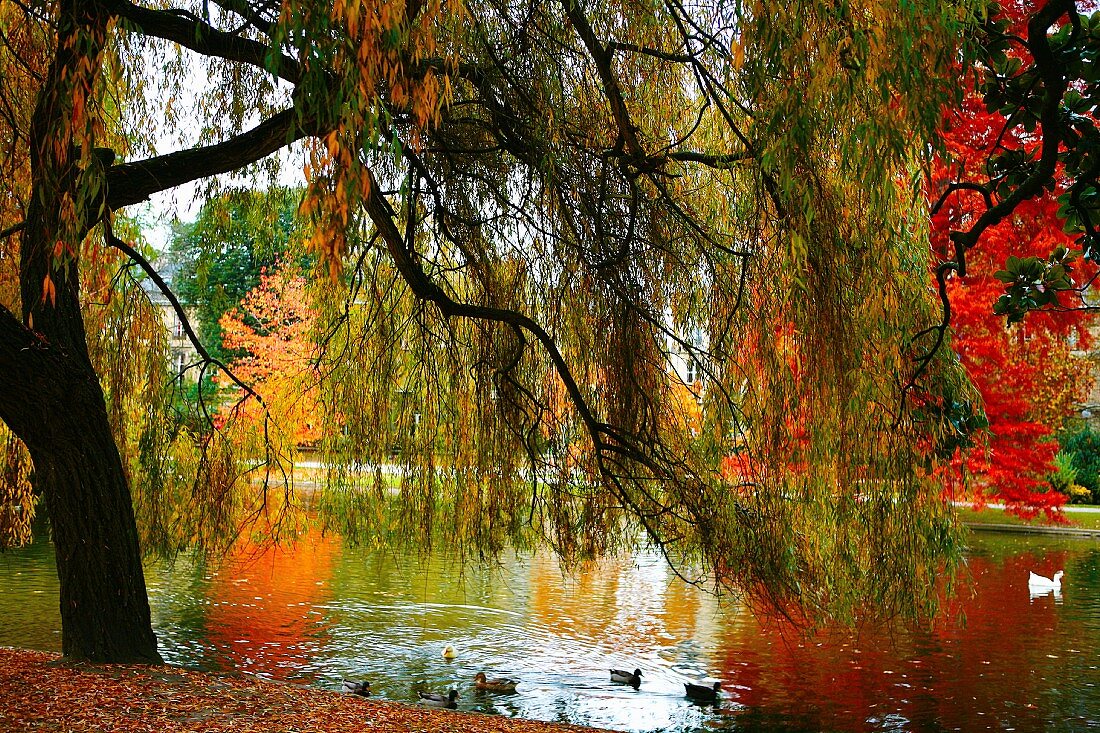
x: 1015, y: 664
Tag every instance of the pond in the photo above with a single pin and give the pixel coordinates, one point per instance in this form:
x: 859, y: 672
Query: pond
x: 319, y: 612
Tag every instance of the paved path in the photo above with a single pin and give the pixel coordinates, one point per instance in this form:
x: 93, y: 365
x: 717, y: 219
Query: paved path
x: 1068, y: 508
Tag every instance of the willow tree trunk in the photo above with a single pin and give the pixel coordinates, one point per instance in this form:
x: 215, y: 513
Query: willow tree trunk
x: 63, y: 421
x: 51, y: 396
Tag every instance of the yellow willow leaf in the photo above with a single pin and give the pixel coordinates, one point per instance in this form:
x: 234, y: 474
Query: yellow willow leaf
x: 49, y: 294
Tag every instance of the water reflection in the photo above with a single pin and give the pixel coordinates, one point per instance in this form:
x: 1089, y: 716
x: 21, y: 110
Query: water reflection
x: 1002, y: 658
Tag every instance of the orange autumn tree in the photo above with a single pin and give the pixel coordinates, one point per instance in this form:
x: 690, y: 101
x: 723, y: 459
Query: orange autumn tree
x: 1028, y: 379
x: 273, y: 331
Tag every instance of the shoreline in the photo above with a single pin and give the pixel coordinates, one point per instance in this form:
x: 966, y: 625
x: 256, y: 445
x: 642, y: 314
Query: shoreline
x: 1073, y: 532
x: 39, y: 691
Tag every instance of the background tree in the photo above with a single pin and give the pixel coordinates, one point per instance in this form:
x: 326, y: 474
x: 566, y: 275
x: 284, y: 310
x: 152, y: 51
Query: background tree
x: 524, y: 189
x: 273, y: 329
x: 221, y: 255
x: 1027, y: 377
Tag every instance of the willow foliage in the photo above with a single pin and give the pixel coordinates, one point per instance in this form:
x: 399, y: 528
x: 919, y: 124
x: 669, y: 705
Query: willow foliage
x: 529, y: 214
x: 628, y: 176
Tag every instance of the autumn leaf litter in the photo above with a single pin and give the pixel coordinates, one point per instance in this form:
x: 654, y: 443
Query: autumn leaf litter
x: 41, y: 692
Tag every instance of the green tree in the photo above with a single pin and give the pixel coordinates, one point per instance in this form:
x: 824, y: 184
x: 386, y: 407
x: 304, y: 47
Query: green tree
x: 220, y: 256
x: 529, y: 203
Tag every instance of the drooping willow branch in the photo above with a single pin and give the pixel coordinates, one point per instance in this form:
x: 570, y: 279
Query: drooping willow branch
x: 177, y: 308
x: 200, y: 349
x: 607, y: 440
x: 383, y: 215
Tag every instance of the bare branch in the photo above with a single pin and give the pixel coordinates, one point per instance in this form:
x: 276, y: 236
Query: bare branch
x: 177, y: 308
x: 13, y: 229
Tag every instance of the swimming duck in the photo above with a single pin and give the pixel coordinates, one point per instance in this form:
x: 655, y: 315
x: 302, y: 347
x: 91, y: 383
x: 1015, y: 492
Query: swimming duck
x: 634, y: 680
x: 357, y: 687
x: 449, y: 652
x: 702, y: 693
x: 1039, y: 582
x: 497, y: 685
x: 435, y: 700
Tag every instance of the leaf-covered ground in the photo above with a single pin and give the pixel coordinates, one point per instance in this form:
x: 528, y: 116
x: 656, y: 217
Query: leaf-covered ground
x: 40, y: 693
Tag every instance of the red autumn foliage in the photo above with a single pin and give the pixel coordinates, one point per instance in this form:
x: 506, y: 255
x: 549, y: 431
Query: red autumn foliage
x: 1028, y: 378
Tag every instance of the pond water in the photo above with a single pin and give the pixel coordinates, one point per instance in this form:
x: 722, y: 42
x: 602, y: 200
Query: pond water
x: 319, y: 612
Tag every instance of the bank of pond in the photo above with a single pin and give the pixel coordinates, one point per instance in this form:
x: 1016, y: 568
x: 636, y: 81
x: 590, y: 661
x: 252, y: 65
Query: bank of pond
x: 1002, y: 657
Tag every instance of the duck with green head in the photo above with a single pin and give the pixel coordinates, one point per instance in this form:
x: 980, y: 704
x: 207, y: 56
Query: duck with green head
x: 435, y: 700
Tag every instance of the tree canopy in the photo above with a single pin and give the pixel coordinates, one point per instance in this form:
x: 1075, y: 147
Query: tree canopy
x: 520, y: 210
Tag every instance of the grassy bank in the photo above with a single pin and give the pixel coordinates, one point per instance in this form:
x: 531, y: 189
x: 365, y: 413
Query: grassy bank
x: 992, y: 515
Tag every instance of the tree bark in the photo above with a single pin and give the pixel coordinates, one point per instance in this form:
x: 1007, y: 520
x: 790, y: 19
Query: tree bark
x: 54, y: 401
x: 50, y: 396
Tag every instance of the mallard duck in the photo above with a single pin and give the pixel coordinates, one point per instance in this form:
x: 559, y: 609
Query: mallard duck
x: 497, y: 685
x: 1039, y: 582
x: 702, y: 693
x: 357, y: 687
x: 635, y: 679
x: 435, y: 700
x: 449, y: 652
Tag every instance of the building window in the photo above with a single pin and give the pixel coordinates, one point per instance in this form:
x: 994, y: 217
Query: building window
x: 692, y: 372
x: 181, y: 361
x: 179, y: 328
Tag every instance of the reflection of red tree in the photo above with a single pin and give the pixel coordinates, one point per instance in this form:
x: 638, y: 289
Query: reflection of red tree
x: 958, y: 675
x: 260, y: 597
x: 1005, y: 636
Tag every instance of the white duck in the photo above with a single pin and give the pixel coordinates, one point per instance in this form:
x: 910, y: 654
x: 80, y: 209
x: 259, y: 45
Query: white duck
x: 1041, y: 583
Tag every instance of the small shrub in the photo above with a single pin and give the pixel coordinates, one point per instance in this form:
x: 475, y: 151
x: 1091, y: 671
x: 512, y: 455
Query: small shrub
x: 1084, y: 448
x: 1078, y: 494
x: 1064, y: 475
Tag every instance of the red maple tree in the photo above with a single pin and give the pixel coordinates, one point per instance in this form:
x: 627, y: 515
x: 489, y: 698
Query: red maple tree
x: 1026, y: 373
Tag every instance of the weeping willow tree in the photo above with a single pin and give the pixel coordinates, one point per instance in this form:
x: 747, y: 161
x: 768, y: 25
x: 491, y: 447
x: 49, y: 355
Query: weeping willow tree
x: 525, y: 214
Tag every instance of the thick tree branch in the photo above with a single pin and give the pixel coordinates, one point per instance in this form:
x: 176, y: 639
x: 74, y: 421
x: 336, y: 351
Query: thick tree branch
x: 1055, y: 83
x: 13, y: 229
x: 28, y: 368
x: 252, y: 15
x: 962, y: 186
x: 724, y: 160
x: 602, y: 58
x: 679, y: 58
x: 205, y: 39
x: 130, y: 183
